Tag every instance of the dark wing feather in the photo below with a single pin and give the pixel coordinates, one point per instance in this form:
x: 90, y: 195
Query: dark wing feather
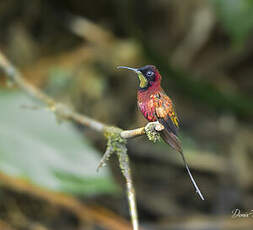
x: 168, y: 124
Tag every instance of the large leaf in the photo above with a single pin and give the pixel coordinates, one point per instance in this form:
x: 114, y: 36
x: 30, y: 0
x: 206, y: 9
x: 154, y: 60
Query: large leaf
x: 34, y: 146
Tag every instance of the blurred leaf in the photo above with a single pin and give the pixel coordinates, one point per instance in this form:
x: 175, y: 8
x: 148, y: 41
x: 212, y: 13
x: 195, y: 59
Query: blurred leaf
x: 35, y: 147
x: 59, y: 80
x: 236, y: 17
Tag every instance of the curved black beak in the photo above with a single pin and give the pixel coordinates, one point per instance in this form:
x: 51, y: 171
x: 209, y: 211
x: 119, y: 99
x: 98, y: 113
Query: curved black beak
x: 129, y: 68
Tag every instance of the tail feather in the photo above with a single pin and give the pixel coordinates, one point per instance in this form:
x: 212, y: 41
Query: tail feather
x: 174, y: 142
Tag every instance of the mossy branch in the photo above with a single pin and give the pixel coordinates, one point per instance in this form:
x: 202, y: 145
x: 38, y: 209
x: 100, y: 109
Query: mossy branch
x: 117, y: 144
x: 117, y: 138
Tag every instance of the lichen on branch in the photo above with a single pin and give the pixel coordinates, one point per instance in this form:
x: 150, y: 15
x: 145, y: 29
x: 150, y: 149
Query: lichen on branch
x: 152, y: 130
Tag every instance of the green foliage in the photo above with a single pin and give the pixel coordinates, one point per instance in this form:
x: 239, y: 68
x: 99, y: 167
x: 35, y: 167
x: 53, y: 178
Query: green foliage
x: 236, y: 17
x: 59, y: 79
x: 35, y: 147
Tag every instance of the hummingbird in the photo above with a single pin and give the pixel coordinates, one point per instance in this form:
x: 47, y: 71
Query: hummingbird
x: 155, y: 105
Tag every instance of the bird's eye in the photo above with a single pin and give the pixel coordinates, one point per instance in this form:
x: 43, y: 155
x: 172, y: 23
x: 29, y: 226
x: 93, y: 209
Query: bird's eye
x: 150, y: 73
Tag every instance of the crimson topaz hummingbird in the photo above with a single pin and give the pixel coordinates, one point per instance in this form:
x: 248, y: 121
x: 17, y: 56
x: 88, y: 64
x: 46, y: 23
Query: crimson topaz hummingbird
x: 155, y: 105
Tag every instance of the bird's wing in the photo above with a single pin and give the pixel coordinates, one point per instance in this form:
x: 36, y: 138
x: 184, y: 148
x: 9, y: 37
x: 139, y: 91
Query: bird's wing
x: 165, y: 113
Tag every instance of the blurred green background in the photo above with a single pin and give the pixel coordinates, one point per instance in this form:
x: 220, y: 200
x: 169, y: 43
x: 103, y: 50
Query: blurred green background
x: 70, y: 49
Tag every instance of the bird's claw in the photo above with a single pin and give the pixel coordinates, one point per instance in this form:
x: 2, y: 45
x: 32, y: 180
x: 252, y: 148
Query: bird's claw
x: 152, y: 130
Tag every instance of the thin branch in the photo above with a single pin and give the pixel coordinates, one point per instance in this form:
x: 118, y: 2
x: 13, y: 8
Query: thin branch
x: 133, y: 133
x: 105, y: 157
x: 126, y: 171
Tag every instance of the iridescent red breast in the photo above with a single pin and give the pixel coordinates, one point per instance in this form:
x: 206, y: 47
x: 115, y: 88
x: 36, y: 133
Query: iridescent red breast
x: 147, y: 104
x: 156, y: 104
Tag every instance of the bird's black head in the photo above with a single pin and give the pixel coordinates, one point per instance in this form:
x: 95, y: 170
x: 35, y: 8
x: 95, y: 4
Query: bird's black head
x: 148, y: 75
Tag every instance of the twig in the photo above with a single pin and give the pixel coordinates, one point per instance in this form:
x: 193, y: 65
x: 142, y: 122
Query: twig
x: 124, y: 165
x: 116, y: 137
